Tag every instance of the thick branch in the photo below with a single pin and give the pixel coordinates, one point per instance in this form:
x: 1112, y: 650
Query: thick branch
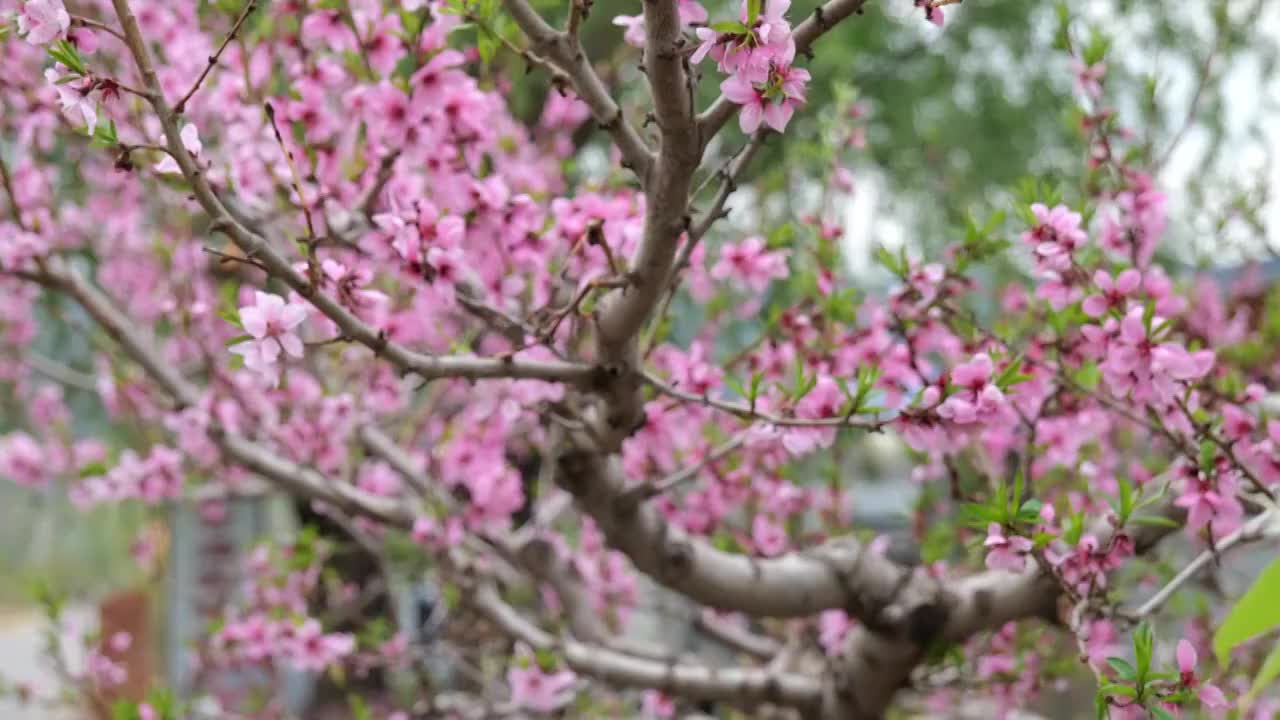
x: 698, y: 682
x: 839, y: 574
x: 565, y: 53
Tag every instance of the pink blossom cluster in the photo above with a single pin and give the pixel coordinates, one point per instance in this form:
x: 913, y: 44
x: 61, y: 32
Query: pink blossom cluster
x: 155, y: 478
x: 259, y: 639
x: 272, y: 626
x: 757, y: 55
x: 537, y: 689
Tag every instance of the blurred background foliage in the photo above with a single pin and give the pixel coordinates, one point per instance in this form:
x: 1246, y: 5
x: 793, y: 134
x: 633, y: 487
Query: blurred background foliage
x: 959, y: 115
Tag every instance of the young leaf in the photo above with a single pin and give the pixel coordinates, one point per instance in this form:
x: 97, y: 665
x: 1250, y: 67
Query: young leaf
x: 1122, y: 667
x: 1256, y: 612
x: 1143, y: 642
x: 729, y: 27
x: 1270, y: 671
x: 1126, y: 499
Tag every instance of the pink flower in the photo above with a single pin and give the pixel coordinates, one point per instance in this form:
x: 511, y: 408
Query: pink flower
x: 750, y: 264
x: 43, y: 21
x: 540, y: 691
x: 1101, y: 642
x: 1084, y: 567
x: 1237, y: 424
x: 1006, y: 553
x: 691, y: 12
x: 429, y: 532
x: 73, y: 100
x: 1113, y: 293
x: 634, y: 35
x: 311, y: 649
x: 976, y: 398
x: 23, y: 461
x: 833, y: 626
x: 271, y: 323
x: 379, y: 479
x: 655, y: 704
x: 1207, y: 502
x: 191, y: 141
x: 770, y: 538
x: 740, y: 90
x: 1056, y: 236
x: 1089, y: 77
x: 120, y: 642
x: 1210, y: 695
x: 931, y: 13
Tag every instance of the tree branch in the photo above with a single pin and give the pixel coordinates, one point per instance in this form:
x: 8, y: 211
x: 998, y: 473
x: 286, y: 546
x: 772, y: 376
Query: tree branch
x: 565, y: 53
x: 699, y: 682
x: 1252, y: 530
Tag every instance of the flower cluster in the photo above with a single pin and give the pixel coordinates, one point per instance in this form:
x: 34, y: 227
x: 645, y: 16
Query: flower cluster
x: 757, y: 53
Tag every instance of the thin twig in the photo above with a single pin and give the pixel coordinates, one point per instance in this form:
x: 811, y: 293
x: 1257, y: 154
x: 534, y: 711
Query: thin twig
x: 749, y: 413
x: 674, y: 480
x: 293, y: 170
x: 213, y: 59
x: 1252, y: 530
x: 95, y: 25
x: 1194, y: 108
x: 59, y: 372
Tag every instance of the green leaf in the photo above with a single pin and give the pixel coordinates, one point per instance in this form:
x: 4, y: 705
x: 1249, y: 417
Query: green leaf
x: 546, y: 659
x: 889, y: 261
x: 359, y: 710
x: 753, y: 11
x: 66, y: 53
x: 1256, y: 612
x: 1126, y: 499
x: 1122, y: 667
x: 1154, y: 521
x: 237, y: 340
x: 1030, y: 511
x: 1208, y: 451
x: 979, y: 516
x: 1143, y: 642
x: 487, y: 44
x: 230, y: 314
x: 1012, y: 374
x: 1113, y: 689
x: 1270, y: 671
x: 1161, y: 714
x: 756, y: 379
x: 735, y: 385
x: 93, y: 470
x: 1148, y: 313
x: 1088, y: 375
x: 729, y: 27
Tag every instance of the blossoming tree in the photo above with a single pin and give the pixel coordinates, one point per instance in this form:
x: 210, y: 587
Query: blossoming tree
x: 316, y: 249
